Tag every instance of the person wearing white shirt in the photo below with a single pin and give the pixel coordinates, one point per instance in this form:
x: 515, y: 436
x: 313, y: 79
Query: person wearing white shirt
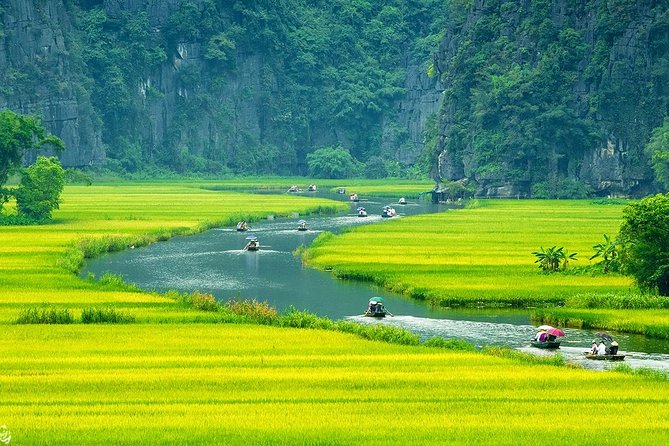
x: 601, y: 348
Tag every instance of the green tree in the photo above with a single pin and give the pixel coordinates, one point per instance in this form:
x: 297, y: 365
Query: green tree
x: 644, y: 240
x: 19, y: 133
x: 332, y: 162
x: 39, y: 192
x: 376, y: 168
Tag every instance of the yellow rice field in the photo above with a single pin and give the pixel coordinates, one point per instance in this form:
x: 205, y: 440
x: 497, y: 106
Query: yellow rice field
x: 479, y: 255
x: 177, y: 377
x: 31, y: 270
x: 212, y: 384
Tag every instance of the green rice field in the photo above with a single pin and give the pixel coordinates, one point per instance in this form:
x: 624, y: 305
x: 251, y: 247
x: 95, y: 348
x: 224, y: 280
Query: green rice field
x: 177, y: 375
x: 478, y: 256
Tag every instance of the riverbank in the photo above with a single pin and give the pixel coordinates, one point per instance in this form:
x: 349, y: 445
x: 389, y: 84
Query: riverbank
x: 190, y: 379
x: 480, y: 256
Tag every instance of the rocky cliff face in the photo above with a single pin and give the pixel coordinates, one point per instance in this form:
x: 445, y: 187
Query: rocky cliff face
x: 39, y: 43
x: 615, y: 89
x: 39, y: 76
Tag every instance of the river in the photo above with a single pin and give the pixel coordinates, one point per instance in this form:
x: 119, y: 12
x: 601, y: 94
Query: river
x: 215, y: 262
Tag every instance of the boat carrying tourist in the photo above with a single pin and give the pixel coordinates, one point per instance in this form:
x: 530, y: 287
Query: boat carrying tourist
x: 376, y: 308
x: 604, y: 348
x: 253, y: 244
x: 547, y: 337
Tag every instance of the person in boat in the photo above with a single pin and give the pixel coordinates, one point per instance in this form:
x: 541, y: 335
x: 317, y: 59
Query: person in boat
x: 551, y: 338
x: 541, y: 336
x: 601, y: 348
x: 614, y: 348
x: 593, y: 349
x: 372, y: 306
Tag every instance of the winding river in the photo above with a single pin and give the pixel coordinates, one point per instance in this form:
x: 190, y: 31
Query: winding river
x: 215, y: 262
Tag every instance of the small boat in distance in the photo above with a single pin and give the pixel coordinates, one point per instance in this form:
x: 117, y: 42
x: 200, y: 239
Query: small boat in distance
x: 388, y: 212
x: 362, y: 212
x: 312, y: 188
x: 302, y: 225
x: 253, y: 243
x: 242, y: 226
x: 376, y: 308
x: 293, y: 189
x: 354, y: 197
x: 341, y: 191
x: 402, y: 201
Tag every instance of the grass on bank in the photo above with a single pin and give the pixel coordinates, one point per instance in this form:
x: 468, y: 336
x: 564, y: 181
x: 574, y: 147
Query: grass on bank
x: 243, y: 384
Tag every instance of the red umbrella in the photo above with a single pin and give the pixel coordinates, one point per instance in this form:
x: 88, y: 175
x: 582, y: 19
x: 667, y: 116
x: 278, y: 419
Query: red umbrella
x: 555, y: 332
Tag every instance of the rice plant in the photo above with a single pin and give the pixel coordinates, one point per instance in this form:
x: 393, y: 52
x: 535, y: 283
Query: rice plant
x: 107, y: 315
x: 45, y: 315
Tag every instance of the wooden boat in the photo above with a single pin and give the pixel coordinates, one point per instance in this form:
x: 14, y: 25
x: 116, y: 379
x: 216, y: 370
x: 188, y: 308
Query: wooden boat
x: 545, y: 344
x: 378, y: 311
x: 242, y: 226
x: 301, y: 225
x: 312, y: 188
x: 354, y: 197
x: 362, y: 212
x: 616, y: 357
x: 376, y: 308
x: 388, y: 212
x: 253, y: 244
x: 402, y: 201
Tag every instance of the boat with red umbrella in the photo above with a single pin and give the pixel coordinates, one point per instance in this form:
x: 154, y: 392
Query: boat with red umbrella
x: 547, y: 337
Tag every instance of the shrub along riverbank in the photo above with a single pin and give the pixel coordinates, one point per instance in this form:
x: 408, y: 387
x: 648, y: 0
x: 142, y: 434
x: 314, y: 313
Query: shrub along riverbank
x: 178, y: 375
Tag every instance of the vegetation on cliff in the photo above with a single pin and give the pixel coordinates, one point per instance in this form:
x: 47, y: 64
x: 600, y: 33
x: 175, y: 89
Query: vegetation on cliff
x: 533, y: 89
x: 328, y: 73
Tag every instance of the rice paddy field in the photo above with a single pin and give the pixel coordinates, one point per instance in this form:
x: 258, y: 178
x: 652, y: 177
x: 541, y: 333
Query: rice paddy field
x: 37, y: 262
x: 241, y: 384
x: 480, y: 255
x: 180, y: 376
